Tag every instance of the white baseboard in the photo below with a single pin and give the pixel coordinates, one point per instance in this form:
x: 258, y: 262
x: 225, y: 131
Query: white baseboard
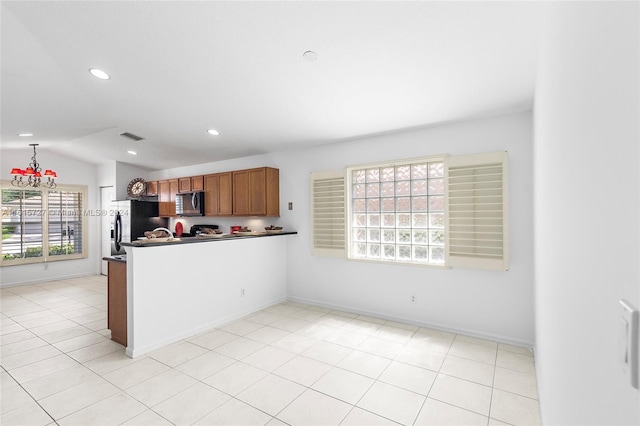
x: 46, y: 280
x: 132, y: 353
x: 435, y: 326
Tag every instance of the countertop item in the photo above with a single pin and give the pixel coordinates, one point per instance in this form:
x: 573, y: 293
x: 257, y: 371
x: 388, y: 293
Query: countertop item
x: 119, y: 258
x: 153, y: 242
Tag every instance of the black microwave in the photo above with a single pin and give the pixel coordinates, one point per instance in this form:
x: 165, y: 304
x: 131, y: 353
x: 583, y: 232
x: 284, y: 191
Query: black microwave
x: 190, y: 204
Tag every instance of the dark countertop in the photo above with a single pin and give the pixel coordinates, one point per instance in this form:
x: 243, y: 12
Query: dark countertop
x: 189, y: 240
x: 118, y: 258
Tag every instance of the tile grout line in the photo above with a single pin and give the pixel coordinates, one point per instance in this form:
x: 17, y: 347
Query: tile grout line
x: 291, y: 314
x: 30, y: 396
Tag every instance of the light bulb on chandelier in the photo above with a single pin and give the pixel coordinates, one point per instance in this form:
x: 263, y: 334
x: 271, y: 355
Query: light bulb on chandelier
x: 32, y: 175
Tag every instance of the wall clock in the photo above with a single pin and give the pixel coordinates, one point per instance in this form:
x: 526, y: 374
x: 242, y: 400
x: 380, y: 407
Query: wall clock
x: 136, y: 188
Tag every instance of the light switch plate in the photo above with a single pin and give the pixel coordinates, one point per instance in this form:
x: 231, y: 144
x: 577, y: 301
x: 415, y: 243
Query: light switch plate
x: 628, y: 341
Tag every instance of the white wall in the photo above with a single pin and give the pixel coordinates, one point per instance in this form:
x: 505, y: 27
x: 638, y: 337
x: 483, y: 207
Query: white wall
x: 490, y: 304
x: 70, y: 172
x: 124, y: 173
x: 586, y: 210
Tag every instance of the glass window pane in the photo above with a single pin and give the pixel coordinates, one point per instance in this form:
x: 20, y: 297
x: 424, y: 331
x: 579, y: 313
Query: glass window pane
x: 389, y: 252
x: 419, y: 187
x: 419, y: 204
x: 420, y: 254
x: 419, y: 220
x: 373, y: 190
x: 403, y: 220
x: 436, y: 186
x: 404, y: 252
x: 404, y: 236
x: 436, y: 203
x: 388, y: 189
x: 374, y: 220
x: 403, y: 173
x: 420, y: 236
x: 436, y: 237
x: 436, y: 169
x: 359, y: 205
x: 419, y: 171
x: 358, y: 191
x: 388, y: 220
x: 436, y: 255
x: 400, y: 212
x: 388, y: 204
x: 403, y: 204
x: 388, y: 174
x: 403, y: 188
x: 436, y: 220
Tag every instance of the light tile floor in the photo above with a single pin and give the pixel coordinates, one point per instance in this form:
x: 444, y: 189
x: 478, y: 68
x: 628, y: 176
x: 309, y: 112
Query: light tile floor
x: 287, y: 364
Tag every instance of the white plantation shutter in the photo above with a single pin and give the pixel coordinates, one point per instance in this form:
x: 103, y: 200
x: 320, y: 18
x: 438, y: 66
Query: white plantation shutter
x: 328, y: 213
x: 478, y: 211
x: 42, y: 225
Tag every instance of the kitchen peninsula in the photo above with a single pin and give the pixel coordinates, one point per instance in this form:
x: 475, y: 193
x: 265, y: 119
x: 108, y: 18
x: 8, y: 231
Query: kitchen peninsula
x: 179, y: 288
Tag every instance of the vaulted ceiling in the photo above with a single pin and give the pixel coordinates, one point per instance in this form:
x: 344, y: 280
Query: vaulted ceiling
x: 179, y: 68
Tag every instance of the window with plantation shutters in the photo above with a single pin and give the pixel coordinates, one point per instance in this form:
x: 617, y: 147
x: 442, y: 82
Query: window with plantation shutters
x: 477, y: 211
x: 65, y: 222
x: 42, y: 225
x: 328, y: 213
x: 447, y: 211
x: 22, y: 226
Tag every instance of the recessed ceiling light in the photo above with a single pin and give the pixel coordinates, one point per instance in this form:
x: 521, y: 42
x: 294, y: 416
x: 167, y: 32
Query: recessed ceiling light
x: 25, y: 135
x: 99, y: 74
x: 132, y: 152
x: 310, y: 55
x: 213, y: 132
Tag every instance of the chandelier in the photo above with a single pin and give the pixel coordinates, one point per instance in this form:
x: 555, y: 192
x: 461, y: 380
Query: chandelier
x: 32, y: 176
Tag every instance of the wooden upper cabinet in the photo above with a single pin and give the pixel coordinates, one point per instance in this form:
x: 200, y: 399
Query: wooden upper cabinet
x: 152, y: 189
x: 193, y: 183
x: 225, y: 194
x: 167, y: 190
x: 184, y: 184
x: 218, y: 194
x: 197, y: 183
x: 256, y: 192
x: 241, y: 192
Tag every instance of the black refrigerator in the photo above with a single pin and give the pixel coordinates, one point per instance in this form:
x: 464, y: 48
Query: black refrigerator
x: 132, y: 218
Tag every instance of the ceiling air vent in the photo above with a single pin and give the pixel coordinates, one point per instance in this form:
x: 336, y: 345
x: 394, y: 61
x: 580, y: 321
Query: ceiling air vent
x: 131, y: 136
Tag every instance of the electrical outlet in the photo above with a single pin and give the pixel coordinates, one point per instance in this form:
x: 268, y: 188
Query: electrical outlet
x: 242, y: 292
x: 413, y: 298
x: 290, y: 205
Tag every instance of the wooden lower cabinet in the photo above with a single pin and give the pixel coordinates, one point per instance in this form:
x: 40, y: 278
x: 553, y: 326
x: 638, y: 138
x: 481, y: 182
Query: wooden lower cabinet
x: 117, y: 301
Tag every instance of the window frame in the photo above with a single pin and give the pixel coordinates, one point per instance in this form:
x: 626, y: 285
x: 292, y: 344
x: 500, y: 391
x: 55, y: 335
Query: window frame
x: 44, y: 215
x: 349, y: 209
